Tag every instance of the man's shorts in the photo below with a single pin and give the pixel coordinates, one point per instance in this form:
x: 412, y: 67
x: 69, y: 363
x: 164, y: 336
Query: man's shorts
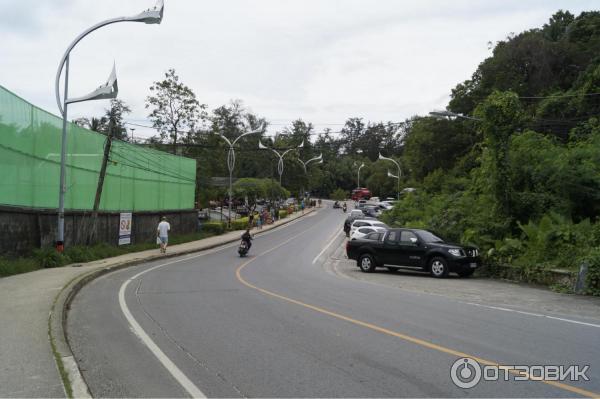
x: 164, y: 240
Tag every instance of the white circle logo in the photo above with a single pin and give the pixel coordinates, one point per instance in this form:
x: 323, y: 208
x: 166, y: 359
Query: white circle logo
x: 465, y: 373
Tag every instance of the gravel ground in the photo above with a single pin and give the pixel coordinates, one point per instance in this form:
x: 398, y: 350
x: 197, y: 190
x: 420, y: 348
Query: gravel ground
x: 480, y: 290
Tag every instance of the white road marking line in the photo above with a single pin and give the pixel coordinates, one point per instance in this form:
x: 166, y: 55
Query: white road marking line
x: 533, y: 314
x: 181, y: 378
x: 185, y: 382
x: 327, y: 246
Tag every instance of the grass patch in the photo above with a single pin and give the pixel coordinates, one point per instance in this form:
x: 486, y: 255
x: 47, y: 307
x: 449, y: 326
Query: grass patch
x: 48, y: 257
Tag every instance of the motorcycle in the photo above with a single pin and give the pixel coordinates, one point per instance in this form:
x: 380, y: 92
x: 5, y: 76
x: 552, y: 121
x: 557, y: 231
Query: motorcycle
x: 243, y: 249
x: 344, y: 209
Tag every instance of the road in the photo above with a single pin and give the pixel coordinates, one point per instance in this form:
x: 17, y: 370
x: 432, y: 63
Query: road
x: 276, y: 324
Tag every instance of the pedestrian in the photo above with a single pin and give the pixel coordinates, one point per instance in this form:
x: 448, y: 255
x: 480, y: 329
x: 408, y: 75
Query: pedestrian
x: 162, y: 234
x: 251, y: 219
x: 259, y: 221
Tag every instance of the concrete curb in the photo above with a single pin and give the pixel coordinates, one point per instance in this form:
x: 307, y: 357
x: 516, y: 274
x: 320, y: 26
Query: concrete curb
x: 72, y: 379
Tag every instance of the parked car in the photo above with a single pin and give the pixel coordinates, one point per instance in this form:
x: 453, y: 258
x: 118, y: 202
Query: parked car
x: 361, y: 204
x: 363, y: 232
x: 371, y: 211
x: 366, y: 223
x: 414, y: 248
x: 354, y: 214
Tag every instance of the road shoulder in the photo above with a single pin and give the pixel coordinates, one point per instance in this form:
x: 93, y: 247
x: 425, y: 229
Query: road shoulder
x: 482, y: 291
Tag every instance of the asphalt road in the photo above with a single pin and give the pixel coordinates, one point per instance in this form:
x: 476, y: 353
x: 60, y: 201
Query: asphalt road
x: 275, y: 324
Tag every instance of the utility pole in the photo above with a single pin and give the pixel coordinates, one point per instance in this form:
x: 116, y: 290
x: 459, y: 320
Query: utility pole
x: 100, y: 186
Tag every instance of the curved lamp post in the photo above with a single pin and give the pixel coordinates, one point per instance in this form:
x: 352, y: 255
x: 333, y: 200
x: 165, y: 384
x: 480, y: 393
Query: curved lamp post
x: 106, y: 91
x: 231, y: 162
x: 279, y: 155
x: 381, y: 157
x: 358, y: 178
x: 305, y: 164
x: 450, y: 114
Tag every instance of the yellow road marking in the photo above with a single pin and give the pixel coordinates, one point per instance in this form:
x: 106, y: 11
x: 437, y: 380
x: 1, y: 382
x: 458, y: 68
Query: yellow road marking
x: 408, y: 338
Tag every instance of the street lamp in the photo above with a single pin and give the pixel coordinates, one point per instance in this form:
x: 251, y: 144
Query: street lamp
x: 450, y: 114
x: 109, y: 90
x: 305, y: 164
x: 280, y: 156
x: 231, y: 163
x: 358, y: 179
x: 132, y: 129
x: 381, y: 157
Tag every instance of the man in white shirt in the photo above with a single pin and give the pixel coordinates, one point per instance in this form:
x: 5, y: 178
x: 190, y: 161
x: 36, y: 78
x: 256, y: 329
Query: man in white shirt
x: 162, y: 232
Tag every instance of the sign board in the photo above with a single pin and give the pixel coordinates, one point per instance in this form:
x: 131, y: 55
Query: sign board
x: 125, y: 228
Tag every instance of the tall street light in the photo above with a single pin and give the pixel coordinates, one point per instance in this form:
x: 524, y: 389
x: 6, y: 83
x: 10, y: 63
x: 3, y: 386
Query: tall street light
x: 450, y: 114
x: 390, y: 174
x: 358, y: 178
x: 381, y: 157
x: 231, y: 163
x: 305, y: 164
x: 279, y: 155
x: 107, y: 91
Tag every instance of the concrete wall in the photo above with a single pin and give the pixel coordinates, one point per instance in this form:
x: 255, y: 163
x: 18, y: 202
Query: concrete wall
x: 24, y: 229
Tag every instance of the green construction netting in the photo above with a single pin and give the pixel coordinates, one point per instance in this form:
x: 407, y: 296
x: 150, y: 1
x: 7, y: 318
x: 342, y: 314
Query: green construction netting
x: 137, y: 178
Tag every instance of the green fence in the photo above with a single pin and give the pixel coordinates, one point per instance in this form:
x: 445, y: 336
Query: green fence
x: 137, y: 179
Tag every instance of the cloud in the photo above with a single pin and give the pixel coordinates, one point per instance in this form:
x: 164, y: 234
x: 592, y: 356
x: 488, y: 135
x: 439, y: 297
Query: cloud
x: 320, y: 60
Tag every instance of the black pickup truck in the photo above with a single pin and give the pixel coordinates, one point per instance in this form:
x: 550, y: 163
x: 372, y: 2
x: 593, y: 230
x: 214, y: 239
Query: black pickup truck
x: 415, y: 249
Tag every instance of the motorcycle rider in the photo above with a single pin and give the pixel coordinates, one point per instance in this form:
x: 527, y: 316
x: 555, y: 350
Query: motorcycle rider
x: 247, y: 238
x: 344, y: 207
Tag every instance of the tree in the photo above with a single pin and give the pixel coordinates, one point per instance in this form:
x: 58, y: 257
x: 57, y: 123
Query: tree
x: 501, y: 115
x: 113, y: 119
x: 93, y: 123
x: 250, y: 190
x: 175, y: 107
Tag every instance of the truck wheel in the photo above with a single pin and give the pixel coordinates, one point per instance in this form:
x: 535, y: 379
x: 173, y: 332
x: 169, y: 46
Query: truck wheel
x: 366, y: 263
x: 466, y: 273
x: 438, y: 267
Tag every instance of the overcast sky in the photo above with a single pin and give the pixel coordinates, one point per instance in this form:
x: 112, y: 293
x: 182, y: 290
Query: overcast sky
x: 320, y: 60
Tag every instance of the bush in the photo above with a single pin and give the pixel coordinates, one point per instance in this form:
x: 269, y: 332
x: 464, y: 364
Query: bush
x: 592, y: 280
x: 339, y: 195
x: 282, y: 214
x: 240, y: 224
x: 17, y: 266
x: 49, y: 257
x: 214, y: 227
x: 80, y: 254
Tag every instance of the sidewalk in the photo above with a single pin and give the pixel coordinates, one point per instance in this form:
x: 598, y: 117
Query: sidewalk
x: 32, y: 305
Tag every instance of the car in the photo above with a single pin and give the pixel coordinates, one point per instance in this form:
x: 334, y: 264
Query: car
x: 364, y: 231
x: 354, y: 215
x: 361, y: 203
x: 366, y: 223
x: 414, y: 248
x: 384, y: 206
x: 336, y: 205
x: 371, y: 211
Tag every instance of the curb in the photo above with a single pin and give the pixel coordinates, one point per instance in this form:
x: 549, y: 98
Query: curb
x: 72, y: 379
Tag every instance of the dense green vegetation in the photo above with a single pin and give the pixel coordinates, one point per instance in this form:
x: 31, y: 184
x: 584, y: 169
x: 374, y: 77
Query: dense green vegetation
x: 522, y: 178
x: 517, y: 172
